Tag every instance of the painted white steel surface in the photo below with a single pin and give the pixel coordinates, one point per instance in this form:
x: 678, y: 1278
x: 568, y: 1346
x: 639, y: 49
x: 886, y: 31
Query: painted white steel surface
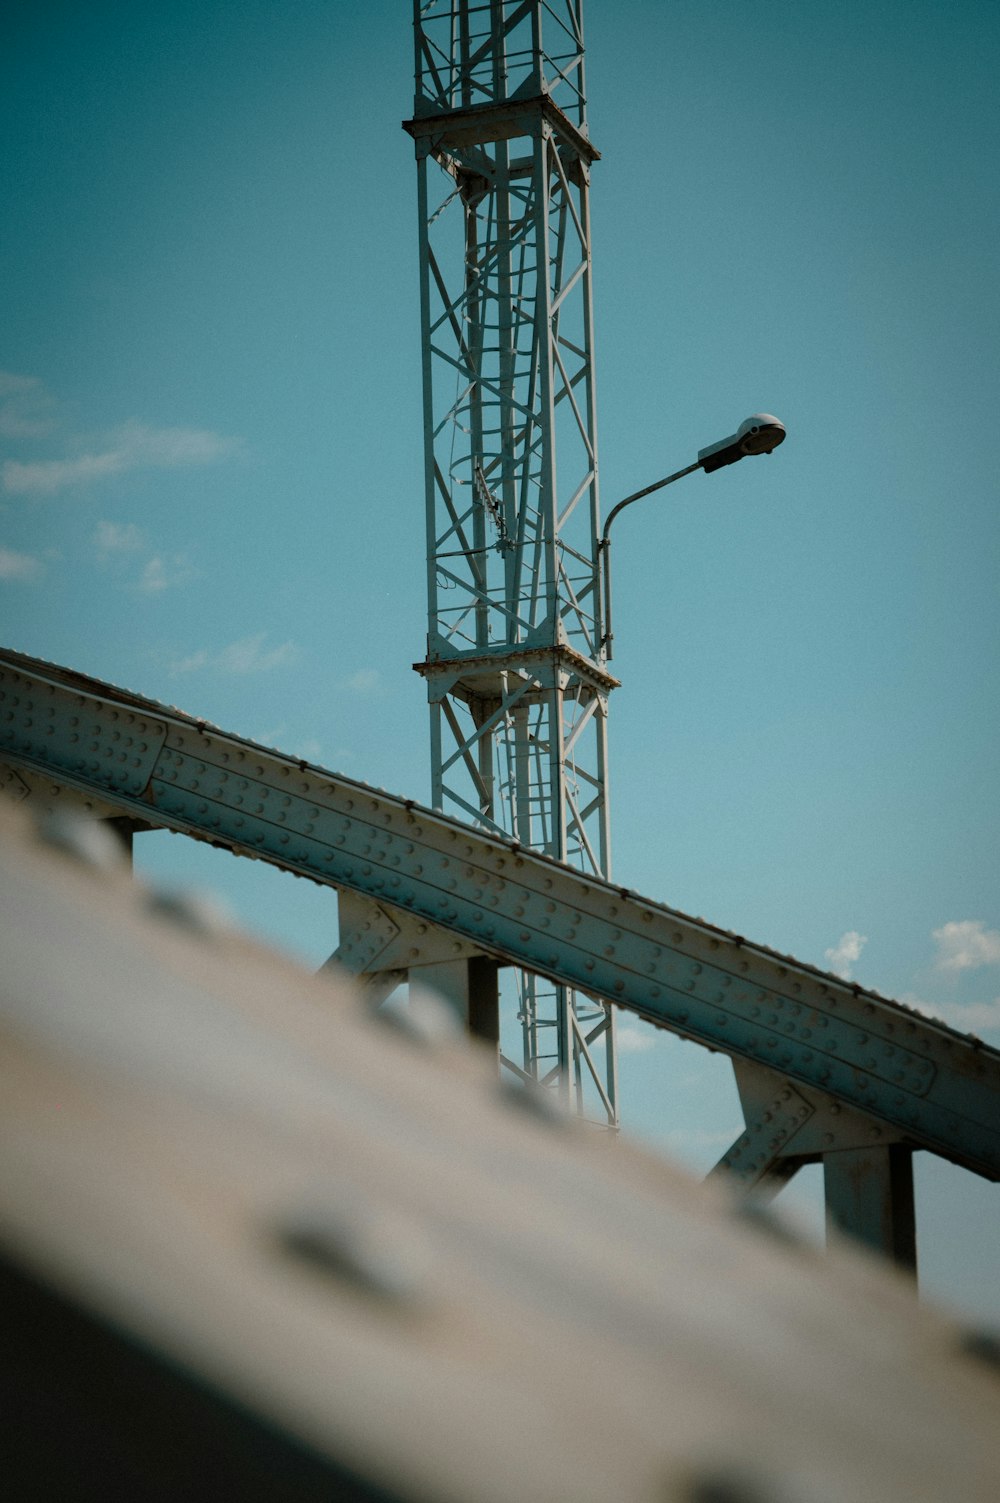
x: 941, y: 1088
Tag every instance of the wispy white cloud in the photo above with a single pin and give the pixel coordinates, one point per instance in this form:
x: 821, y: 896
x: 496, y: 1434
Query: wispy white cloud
x: 117, y: 537
x: 846, y: 953
x: 159, y: 574
x: 969, y: 1017
x: 634, y: 1039
x: 966, y: 945
x: 133, y: 446
x: 364, y: 681
x: 44, y: 477
x: 973, y: 1017
x: 248, y: 655
x: 117, y: 542
x: 19, y: 566
x: 143, y: 445
x: 26, y: 408
x: 153, y: 578
x: 191, y: 664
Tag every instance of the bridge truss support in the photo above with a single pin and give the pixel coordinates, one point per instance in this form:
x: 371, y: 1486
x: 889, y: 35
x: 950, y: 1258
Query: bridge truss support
x: 867, y: 1164
x: 515, y: 665
x: 826, y: 1070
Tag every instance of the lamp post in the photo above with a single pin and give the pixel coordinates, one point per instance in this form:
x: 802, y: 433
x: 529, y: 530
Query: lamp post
x: 759, y: 434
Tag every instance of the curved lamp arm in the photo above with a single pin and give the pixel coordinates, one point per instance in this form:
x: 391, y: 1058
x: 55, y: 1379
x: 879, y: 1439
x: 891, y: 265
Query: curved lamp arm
x: 604, y: 547
x: 759, y: 434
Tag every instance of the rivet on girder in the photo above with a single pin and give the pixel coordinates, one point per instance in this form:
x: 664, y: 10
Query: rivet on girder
x: 383, y: 1260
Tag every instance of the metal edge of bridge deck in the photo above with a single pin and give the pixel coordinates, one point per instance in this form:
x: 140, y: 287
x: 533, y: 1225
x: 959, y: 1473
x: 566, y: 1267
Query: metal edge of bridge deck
x: 934, y: 1087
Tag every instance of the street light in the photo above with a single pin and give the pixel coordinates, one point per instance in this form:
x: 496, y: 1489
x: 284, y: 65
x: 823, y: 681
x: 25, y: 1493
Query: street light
x: 759, y: 434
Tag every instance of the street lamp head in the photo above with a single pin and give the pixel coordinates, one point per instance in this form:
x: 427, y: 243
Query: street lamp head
x: 759, y: 434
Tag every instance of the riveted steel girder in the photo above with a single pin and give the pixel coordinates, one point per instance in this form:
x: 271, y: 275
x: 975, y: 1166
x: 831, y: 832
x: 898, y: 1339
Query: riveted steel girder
x: 940, y: 1089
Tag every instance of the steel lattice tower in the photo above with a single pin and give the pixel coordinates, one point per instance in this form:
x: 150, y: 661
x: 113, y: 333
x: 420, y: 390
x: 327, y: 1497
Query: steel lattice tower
x: 515, y: 667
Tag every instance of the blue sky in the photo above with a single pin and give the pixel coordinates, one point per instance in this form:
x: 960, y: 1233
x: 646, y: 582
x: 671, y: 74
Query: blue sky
x: 210, y: 437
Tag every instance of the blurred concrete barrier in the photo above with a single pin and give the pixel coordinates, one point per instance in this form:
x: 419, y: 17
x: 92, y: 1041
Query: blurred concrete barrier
x: 257, y: 1246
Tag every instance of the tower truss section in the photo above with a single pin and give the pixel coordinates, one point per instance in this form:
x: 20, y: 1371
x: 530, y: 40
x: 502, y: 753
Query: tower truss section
x: 515, y: 666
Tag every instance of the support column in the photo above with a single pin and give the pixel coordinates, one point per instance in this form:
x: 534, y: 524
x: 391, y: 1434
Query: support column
x: 869, y: 1195
x: 471, y: 986
x: 126, y: 829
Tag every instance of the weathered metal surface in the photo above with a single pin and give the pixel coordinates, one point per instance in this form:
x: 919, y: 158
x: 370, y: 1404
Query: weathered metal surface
x: 483, y: 124
x: 357, y: 1241
x: 869, y: 1195
x: 939, y: 1088
x: 787, y: 1126
x: 366, y: 933
x: 109, y: 744
x: 867, y: 1165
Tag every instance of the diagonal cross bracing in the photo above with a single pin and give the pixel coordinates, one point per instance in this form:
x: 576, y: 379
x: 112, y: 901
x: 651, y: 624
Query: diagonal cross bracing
x: 938, y: 1087
x: 503, y: 163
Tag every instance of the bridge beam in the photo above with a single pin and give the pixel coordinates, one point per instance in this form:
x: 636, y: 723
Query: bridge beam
x: 919, y: 1081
